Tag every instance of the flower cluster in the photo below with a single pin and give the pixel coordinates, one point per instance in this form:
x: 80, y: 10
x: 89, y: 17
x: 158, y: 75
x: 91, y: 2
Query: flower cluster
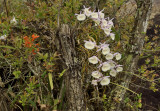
x: 28, y: 42
x: 109, y: 65
x: 98, y: 17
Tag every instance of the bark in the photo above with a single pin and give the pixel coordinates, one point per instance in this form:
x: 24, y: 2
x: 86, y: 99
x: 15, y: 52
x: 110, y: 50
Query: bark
x: 72, y: 79
x: 137, y: 41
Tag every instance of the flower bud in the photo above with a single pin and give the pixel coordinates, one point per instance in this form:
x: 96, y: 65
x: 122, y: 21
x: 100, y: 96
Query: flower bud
x: 3, y: 37
x: 13, y: 21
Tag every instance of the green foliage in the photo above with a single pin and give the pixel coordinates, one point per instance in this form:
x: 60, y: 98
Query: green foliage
x: 39, y: 76
x: 33, y: 63
x: 16, y: 74
x: 28, y: 97
x: 138, y: 99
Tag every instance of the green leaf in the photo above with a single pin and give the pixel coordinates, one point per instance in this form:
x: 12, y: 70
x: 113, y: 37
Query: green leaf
x: 55, y: 104
x: 32, y: 103
x: 117, y: 36
x: 45, y: 56
x: 129, y: 59
x: 16, y: 74
x: 61, y: 74
x: 50, y: 80
x: 9, y: 47
x: 44, y: 73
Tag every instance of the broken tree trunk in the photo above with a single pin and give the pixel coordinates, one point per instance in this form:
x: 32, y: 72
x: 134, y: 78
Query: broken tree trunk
x: 72, y: 80
x: 137, y: 41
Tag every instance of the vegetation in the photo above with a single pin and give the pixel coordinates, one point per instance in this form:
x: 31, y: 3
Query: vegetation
x: 45, y: 68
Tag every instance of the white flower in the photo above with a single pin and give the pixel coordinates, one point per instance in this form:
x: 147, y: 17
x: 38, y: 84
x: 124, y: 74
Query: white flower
x: 81, y: 17
x: 119, y: 69
x: 101, y: 15
x: 96, y: 74
x: 107, y: 31
x: 3, y: 37
x: 118, y: 56
x: 109, y: 56
x: 110, y: 23
x: 13, y: 21
x: 97, y: 22
x: 101, y: 46
x: 94, y: 82
x: 105, y: 67
x: 105, y: 50
x: 104, y: 23
x: 93, y: 60
x: 89, y: 44
x: 113, y: 72
x: 94, y: 15
x: 87, y: 12
x: 112, y: 36
x: 112, y: 64
x: 105, y: 81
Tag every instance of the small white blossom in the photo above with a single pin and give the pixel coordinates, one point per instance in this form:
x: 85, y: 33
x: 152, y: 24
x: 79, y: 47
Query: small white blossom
x: 118, y: 56
x: 81, y: 17
x: 94, y: 15
x: 101, y: 46
x: 89, y: 45
x: 104, y: 23
x: 113, y: 72
x: 111, y: 63
x: 3, y: 37
x: 106, y: 66
x: 101, y: 15
x: 110, y: 23
x: 93, y: 60
x: 112, y: 36
x: 105, y: 50
x: 87, y: 12
x: 96, y: 74
x: 119, y: 69
x: 105, y: 81
x: 94, y: 82
x: 107, y: 31
x: 97, y: 22
x: 109, y: 56
x: 13, y: 21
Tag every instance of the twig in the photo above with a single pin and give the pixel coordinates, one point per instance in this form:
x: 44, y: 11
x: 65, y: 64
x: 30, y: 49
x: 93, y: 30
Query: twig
x: 34, y: 72
x: 6, y: 7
